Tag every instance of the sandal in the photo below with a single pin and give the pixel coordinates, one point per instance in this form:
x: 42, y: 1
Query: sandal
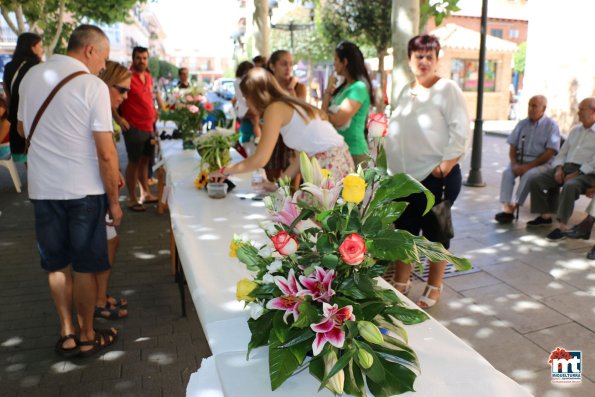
x: 150, y: 200
x: 403, y: 288
x: 103, y: 339
x: 137, y: 207
x: 425, y: 302
x: 110, y: 312
x: 118, y: 302
x: 73, y: 351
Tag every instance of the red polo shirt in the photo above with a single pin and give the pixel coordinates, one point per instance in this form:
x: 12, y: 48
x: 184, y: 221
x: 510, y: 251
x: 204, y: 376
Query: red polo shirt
x: 138, y: 108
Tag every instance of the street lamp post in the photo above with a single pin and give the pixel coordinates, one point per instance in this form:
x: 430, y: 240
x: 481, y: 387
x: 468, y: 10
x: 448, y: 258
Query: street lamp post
x: 291, y: 26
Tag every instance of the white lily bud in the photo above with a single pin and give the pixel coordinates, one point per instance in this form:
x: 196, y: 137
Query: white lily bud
x: 306, y: 168
x: 336, y: 383
x: 256, y: 310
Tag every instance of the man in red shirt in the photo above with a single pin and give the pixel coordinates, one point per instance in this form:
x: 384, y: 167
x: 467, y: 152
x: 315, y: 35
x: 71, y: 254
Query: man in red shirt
x: 137, y: 115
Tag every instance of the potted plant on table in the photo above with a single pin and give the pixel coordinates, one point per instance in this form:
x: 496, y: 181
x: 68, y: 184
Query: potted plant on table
x: 314, y: 298
x: 214, y: 150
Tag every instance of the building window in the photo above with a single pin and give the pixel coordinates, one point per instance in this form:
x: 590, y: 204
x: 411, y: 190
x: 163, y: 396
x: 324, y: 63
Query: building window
x: 496, y: 32
x: 465, y: 73
x: 513, y: 33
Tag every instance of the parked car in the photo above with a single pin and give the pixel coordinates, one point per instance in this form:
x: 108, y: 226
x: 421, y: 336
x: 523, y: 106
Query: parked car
x: 224, y: 88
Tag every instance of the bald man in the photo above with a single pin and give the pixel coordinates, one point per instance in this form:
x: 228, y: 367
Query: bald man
x: 533, y: 144
x: 573, y: 170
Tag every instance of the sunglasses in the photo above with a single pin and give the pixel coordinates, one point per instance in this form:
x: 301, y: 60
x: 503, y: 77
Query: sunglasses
x: 121, y: 90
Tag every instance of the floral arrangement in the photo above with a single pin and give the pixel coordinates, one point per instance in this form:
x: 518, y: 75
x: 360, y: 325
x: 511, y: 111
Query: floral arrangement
x: 188, y: 108
x: 314, y: 298
x: 213, y: 148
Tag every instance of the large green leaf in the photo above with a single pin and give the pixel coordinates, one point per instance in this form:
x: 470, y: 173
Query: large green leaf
x: 260, y: 329
x: 264, y: 291
x: 282, y: 362
x: 405, y: 315
x: 436, y: 252
x: 354, y: 381
x: 399, y: 186
x: 330, y: 261
x: 393, y: 245
x: 372, y: 225
x: 371, y: 309
x: 248, y: 255
x: 399, y: 379
x: 349, y: 289
x: 376, y: 371
x: 301, y: 337
x: 390, y: 212
x: 308, y: 315
x: 398, y: 356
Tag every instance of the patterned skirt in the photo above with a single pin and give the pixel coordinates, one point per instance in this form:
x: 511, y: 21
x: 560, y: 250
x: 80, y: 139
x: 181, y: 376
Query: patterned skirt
x: 337, y: 160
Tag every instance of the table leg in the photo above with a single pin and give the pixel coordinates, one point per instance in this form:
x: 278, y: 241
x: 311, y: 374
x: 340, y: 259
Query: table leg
x: 160, y: 186
x: 181, y: 280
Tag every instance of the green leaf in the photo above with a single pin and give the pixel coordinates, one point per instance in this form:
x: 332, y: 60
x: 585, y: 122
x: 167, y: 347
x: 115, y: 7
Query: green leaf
x: 388, y: 296
x: 316, y: 367
x: 349, y: 289
x: 376, y: 372
x: 407, y: 316
x: 260, y: 329
x: 282, y: 362
x: 371, y: 309
x: 393, y: 245
x: 399, y: 186
x: 264, y: 291
x: 303, y: 336
x: 398, y: 356
x: 323, y: 243
x: 308, y: 315
x: 248, y: 255
x: 354, y: 381
x: 390, y: 212
x: 341, y: 363
x: 381, y: 158
x: 436, y: 252
x: 330, y: 261
x: 280, y: 329
x: 399, y: 379
x: 372, y: 225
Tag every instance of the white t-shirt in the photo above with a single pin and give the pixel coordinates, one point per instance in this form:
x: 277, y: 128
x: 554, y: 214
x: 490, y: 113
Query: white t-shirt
x: 314, y: 137
x: 429, y: 125
x: 62, y: 158
x: 241, y: 107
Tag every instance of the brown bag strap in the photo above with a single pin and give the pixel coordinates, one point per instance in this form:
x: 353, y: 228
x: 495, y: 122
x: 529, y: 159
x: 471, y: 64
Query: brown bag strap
x: 47, y: 101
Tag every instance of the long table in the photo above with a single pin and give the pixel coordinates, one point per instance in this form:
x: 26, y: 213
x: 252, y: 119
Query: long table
x: 203, y: 229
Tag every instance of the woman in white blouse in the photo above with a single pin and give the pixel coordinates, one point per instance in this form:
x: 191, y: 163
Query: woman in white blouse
x: 303, y: 127
x: 427, y: 137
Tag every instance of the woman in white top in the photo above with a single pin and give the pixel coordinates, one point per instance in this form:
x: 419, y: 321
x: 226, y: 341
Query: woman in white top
x: 302, y: 126
x: 427, y: 137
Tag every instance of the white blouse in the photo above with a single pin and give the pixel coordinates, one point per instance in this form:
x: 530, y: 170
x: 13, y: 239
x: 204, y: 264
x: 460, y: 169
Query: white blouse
x: 314, y: 136
x: 428, y: 125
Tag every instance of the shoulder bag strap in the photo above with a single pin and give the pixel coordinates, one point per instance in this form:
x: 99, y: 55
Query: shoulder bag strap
x: 47, y: 102
x: 14, y: 78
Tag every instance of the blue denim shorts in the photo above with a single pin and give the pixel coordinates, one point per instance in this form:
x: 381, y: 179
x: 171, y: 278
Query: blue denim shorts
x: 72, y: 232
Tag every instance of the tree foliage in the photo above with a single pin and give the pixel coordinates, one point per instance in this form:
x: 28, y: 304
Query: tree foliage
x: 160, y: 68
x: 519, y: 58
x: 57, y: 18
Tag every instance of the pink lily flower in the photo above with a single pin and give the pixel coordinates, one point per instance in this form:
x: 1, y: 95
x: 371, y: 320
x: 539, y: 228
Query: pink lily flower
x: 288, y: 214
x: 290, y: 300
x: 326, y: 195
x: 329, y: 330
x: 318, y: 284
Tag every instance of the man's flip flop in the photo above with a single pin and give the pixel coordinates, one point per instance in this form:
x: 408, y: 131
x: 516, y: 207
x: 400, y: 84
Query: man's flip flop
x: 110, y: 312
x: 73, y: 351
x: 137, y: 207
x: 151, y: 201
x: 119, y: 302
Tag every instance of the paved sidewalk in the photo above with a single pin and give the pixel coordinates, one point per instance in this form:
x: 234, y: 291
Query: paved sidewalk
x: 529, y: 297
x: 157, y: 350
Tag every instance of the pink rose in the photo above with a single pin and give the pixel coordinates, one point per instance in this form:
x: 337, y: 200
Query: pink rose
x: 193, y: 109
x: 199, y: 98
x: 209, y: 107
x: 285, y: 243
x: 189, y: 98
x: 353, y: 249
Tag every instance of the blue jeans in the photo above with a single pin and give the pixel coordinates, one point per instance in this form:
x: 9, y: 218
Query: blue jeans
x: 72, y: 232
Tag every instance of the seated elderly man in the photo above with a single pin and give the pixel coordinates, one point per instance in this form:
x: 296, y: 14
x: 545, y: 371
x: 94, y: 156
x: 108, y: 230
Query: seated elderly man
x: 533, y: 144
x: 573, y: 170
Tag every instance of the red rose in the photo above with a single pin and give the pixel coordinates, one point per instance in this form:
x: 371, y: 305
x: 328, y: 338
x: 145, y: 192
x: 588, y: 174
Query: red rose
x: 353, y: 249
x: 285, y: 243
x: 209, y: 107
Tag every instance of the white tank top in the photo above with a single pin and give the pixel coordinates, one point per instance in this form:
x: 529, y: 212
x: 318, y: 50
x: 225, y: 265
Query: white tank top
x: 315, y: 136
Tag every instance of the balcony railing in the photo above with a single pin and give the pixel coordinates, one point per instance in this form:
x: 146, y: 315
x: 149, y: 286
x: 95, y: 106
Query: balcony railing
x: 7, y: 35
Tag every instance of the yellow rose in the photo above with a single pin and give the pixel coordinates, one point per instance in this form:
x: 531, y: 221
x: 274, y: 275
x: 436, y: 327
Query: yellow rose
x: 233, y: 248
x: 243, y: 289
x: 354, y: 188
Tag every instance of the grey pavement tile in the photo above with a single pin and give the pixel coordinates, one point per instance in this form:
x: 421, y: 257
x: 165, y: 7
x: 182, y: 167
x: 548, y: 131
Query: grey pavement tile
x: 470, y: 281
x: 46, y: 391
x: 159, y: 355
x: 508, y: 304
x: 101, y: 372
x: 579, y: 306
x: 528, y: 280
x: 507, y: 350
x: 87, y: 389
x: 125, y: 386
x: 540, y: 385
x: 121, y: 357
x: 133, y: 369
x: 571, y: 337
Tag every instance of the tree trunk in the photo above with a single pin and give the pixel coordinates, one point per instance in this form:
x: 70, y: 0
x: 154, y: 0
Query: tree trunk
x: 49, y: 50
x: 262, y: 34
x: 405, y: 22
x: 380, y: 100
x: 6, y: 15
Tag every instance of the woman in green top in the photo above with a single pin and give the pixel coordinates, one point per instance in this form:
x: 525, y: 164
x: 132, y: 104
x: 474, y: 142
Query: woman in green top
x: 348, y: 107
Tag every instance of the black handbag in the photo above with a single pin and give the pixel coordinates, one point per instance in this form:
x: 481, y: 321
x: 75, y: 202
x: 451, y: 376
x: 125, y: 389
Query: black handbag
x: 440, y: 217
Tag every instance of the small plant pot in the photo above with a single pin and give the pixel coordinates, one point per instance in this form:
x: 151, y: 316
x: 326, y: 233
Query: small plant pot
x: 217, y: 190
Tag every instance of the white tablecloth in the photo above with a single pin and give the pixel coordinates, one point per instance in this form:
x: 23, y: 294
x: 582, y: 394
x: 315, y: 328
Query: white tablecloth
x: 203, y: 229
